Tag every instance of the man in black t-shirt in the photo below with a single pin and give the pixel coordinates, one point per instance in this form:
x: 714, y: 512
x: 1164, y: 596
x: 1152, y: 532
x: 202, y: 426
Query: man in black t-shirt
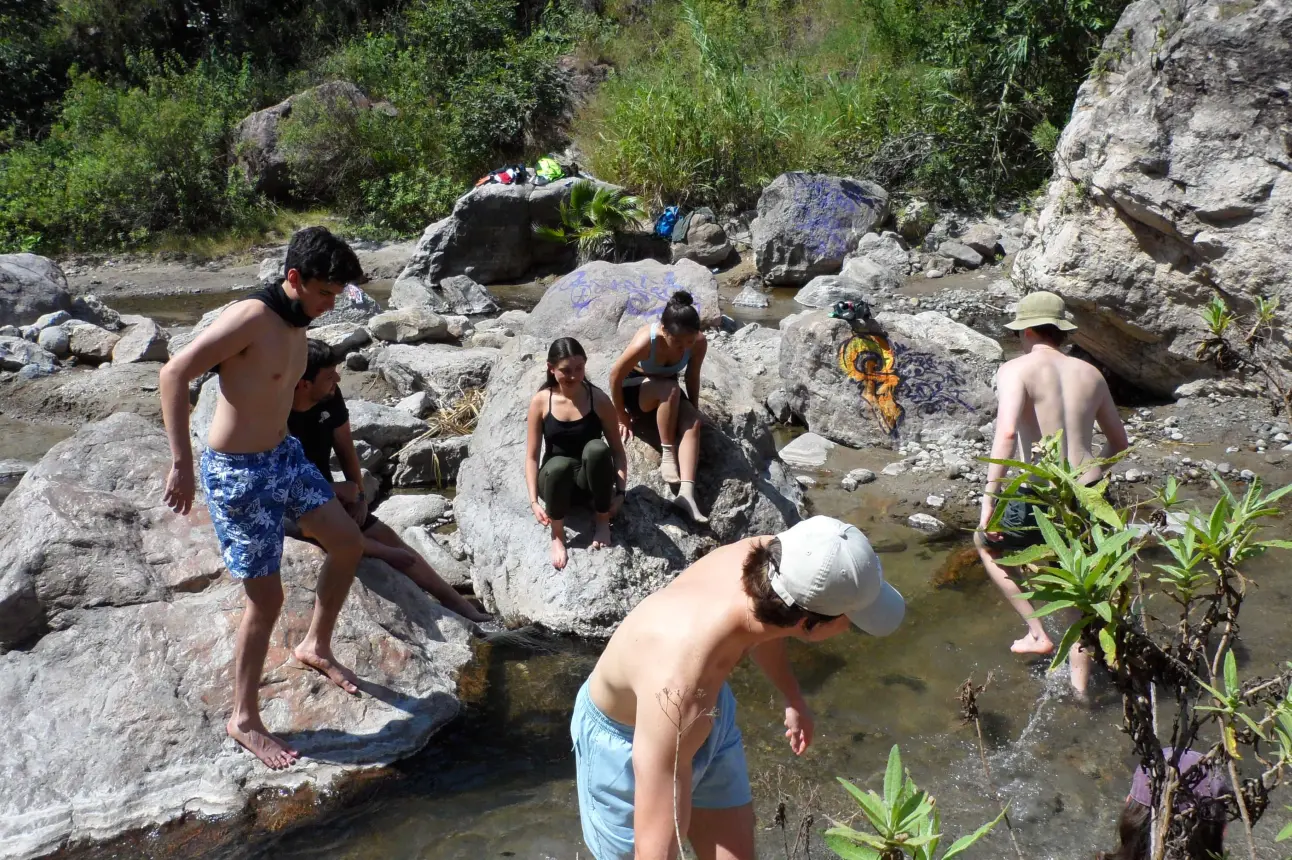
x: 321, y: 422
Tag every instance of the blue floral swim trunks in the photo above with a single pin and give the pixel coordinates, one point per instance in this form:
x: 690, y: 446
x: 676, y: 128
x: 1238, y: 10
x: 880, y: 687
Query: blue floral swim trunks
x: 249, y: 494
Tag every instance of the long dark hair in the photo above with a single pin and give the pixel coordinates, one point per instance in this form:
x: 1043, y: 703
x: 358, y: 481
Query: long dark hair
x: 680, y: 315
x: 1207, y: 840
x: 562, y: 347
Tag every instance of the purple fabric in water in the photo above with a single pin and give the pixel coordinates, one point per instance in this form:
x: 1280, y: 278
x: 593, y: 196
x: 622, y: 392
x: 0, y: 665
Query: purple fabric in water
x: 1204, y: 784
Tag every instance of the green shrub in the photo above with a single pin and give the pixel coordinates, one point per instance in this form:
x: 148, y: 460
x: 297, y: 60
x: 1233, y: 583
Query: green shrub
x: 122, y: 164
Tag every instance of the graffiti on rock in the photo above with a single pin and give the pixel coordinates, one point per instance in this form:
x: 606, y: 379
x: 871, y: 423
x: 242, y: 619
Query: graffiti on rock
x: 826, y: 210
x: 646, y: 295
x: 893, y: 378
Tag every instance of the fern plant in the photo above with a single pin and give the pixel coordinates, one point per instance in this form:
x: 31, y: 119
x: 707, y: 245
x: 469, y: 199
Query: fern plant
x: 593, y: 219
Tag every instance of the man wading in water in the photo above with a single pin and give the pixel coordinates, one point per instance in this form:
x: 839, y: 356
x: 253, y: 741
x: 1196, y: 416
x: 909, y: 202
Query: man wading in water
x: 657, y: 704
x: 1040, y: 393
x: 254, y: 473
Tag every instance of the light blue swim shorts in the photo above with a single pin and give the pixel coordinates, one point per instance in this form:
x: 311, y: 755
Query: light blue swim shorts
x: 603, y: 754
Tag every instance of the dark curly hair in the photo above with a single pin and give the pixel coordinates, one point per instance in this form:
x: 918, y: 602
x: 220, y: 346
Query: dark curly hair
x: 316, y: 254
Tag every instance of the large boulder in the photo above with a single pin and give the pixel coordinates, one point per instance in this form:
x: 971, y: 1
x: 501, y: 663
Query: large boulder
x: 256, y: 137
x: 457, y: 294
x: 382, y: 426
x: 90, y: 343
x: 142, y: 341
x: 430, y: 461
x: 489, y: 236
x: 705, y: 242
x: 353, y: 306
x: 1172, y: 186
x: 119, y: 628
x: 445, y: 372
x: 890, y: 380
x: 808, y: 223
x: 409, y: 325
x: 512, y: 569
x: 30, y: 286
x: 75, y: 396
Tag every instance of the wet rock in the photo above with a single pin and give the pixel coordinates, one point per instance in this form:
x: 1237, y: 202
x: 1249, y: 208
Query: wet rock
x: 935, y: 501
x: 983, y: 238
x: 752, y: 296
x: 134, y: 669
x: 30, y: 286
x: 807, y: 482
x: 260, y: 158
x: 445, y: 372
x: 142, y: 341
x: 409, y: 325
x: 382, y: 426
x: 353, y: 305
x: 856, y: 478
x: 490, y: 234
x: 91, y: 310
x: 1179, y: 167
x: 17, y: 353
x: 807, y: 451
x: 512, y: 570
x: 430, y: 462
x: 456, y: 294
x: 929, y: 525
x: 344, y: 338
x: 808, y: 223
x: 961, y: 254
x: 54, y: 339
x: 885, y: 383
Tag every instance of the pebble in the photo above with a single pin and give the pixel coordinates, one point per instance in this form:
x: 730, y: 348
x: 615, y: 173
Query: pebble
x: 1247, y: 475
x: 898, y: 468
x: 1224, y: 468
x: 930, y: 525
x: 1232, y: 449
x: 1133, y: 475
x: 807, y: 482
x: 933, y: 273
x: 856, y: 478
x: 935, y: 502
x: 1176, y: 436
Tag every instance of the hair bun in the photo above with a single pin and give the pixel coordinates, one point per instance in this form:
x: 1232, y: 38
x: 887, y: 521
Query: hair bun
x: 682, y: 298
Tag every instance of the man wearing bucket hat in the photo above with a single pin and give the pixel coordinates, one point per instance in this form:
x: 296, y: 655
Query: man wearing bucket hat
x: 1040, y: 393
x: 654, y: 726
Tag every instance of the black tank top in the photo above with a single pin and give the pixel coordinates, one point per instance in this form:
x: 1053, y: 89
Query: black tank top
x: 567, y: 438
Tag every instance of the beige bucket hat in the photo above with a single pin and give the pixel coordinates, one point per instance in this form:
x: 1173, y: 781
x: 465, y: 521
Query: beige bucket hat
x: 1038, y: 309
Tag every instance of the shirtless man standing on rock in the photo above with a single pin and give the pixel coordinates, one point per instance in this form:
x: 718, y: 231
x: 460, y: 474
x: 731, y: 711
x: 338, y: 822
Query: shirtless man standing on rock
x: 658, y: 704
x: 1040, y: 393
x: 253, y: 472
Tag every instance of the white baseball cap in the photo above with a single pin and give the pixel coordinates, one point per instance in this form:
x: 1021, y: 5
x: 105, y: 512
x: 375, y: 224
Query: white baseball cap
x: 828, y: 566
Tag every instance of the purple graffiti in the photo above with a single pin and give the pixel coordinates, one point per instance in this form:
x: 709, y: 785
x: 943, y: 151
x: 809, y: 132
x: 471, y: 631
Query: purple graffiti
x: 929, y: 383
x: 645, y: 297
x: 825, y: 211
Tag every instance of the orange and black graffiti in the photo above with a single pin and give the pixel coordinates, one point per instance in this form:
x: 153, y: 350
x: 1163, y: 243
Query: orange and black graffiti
x: 869, y: 359
x: 894, y: 378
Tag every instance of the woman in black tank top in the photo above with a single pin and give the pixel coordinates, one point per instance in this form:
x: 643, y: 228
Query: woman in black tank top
x: 580, y: 461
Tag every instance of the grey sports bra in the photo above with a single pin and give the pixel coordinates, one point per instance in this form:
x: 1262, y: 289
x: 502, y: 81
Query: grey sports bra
x: 651, y: 367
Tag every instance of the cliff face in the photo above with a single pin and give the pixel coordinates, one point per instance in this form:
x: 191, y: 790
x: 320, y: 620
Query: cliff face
x: 1172, y: 185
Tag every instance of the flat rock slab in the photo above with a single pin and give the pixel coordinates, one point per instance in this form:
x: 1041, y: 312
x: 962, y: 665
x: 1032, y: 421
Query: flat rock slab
x: 807, y: 451
x: 114, y: 710
x: 445, y: 372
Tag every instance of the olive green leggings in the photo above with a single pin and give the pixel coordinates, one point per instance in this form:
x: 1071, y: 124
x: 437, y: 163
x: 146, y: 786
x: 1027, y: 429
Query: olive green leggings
x: 592, y: 475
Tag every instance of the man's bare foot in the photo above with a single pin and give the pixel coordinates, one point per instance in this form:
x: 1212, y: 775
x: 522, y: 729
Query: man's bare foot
x: 467, y: 610
x: 1033, y: 644
x: 559, y: 555
x: 328, y: 667
x: 688, y: 507
x: 257, y: 740
x: 601, y: 537
x: 1079, y: 662
x: 616, y: 502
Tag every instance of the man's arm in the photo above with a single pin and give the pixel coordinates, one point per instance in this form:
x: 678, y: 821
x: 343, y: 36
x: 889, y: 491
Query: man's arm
x: 668, y: 733
x: 1110, y: 424
x: 774, y: 661
x: 231, y: 333
x: 343, y: 443
x: 1010, y: 399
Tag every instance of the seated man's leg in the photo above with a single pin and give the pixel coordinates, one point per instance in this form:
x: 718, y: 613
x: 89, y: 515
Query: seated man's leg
x: 380, y: 538
x: 322, y: 517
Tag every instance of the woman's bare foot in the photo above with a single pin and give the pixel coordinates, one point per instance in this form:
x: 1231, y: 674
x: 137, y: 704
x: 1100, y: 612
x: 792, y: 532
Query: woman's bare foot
x: 1033, y: 643
x: 559, y: 555
x: 601, y: 537
x: 328, y: 667
x: 257, y: 740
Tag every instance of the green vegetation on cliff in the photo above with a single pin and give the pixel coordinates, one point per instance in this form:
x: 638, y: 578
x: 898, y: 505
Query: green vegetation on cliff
x: 118, y: 116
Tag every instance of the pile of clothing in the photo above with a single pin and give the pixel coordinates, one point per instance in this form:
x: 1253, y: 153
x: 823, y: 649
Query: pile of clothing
x: 672, y: 224
x: 547, y: 170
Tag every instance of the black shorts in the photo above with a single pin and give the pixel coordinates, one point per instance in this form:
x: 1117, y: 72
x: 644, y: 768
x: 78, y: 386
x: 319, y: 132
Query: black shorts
x: 1018, y: 528
x: 632, y: 394
x: 293, y: 531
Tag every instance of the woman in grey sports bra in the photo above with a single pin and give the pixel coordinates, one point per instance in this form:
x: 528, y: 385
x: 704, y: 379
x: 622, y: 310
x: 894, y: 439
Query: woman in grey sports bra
x: 648, y: 377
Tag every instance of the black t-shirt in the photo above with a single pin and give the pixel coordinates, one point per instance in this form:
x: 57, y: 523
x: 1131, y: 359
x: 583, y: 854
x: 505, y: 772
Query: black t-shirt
x: 314, y: 427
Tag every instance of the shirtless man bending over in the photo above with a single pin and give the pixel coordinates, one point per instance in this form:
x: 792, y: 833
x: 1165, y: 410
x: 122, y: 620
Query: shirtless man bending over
x: 254, y: 473
x: 666, y: 668
x: 1040, y: 393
